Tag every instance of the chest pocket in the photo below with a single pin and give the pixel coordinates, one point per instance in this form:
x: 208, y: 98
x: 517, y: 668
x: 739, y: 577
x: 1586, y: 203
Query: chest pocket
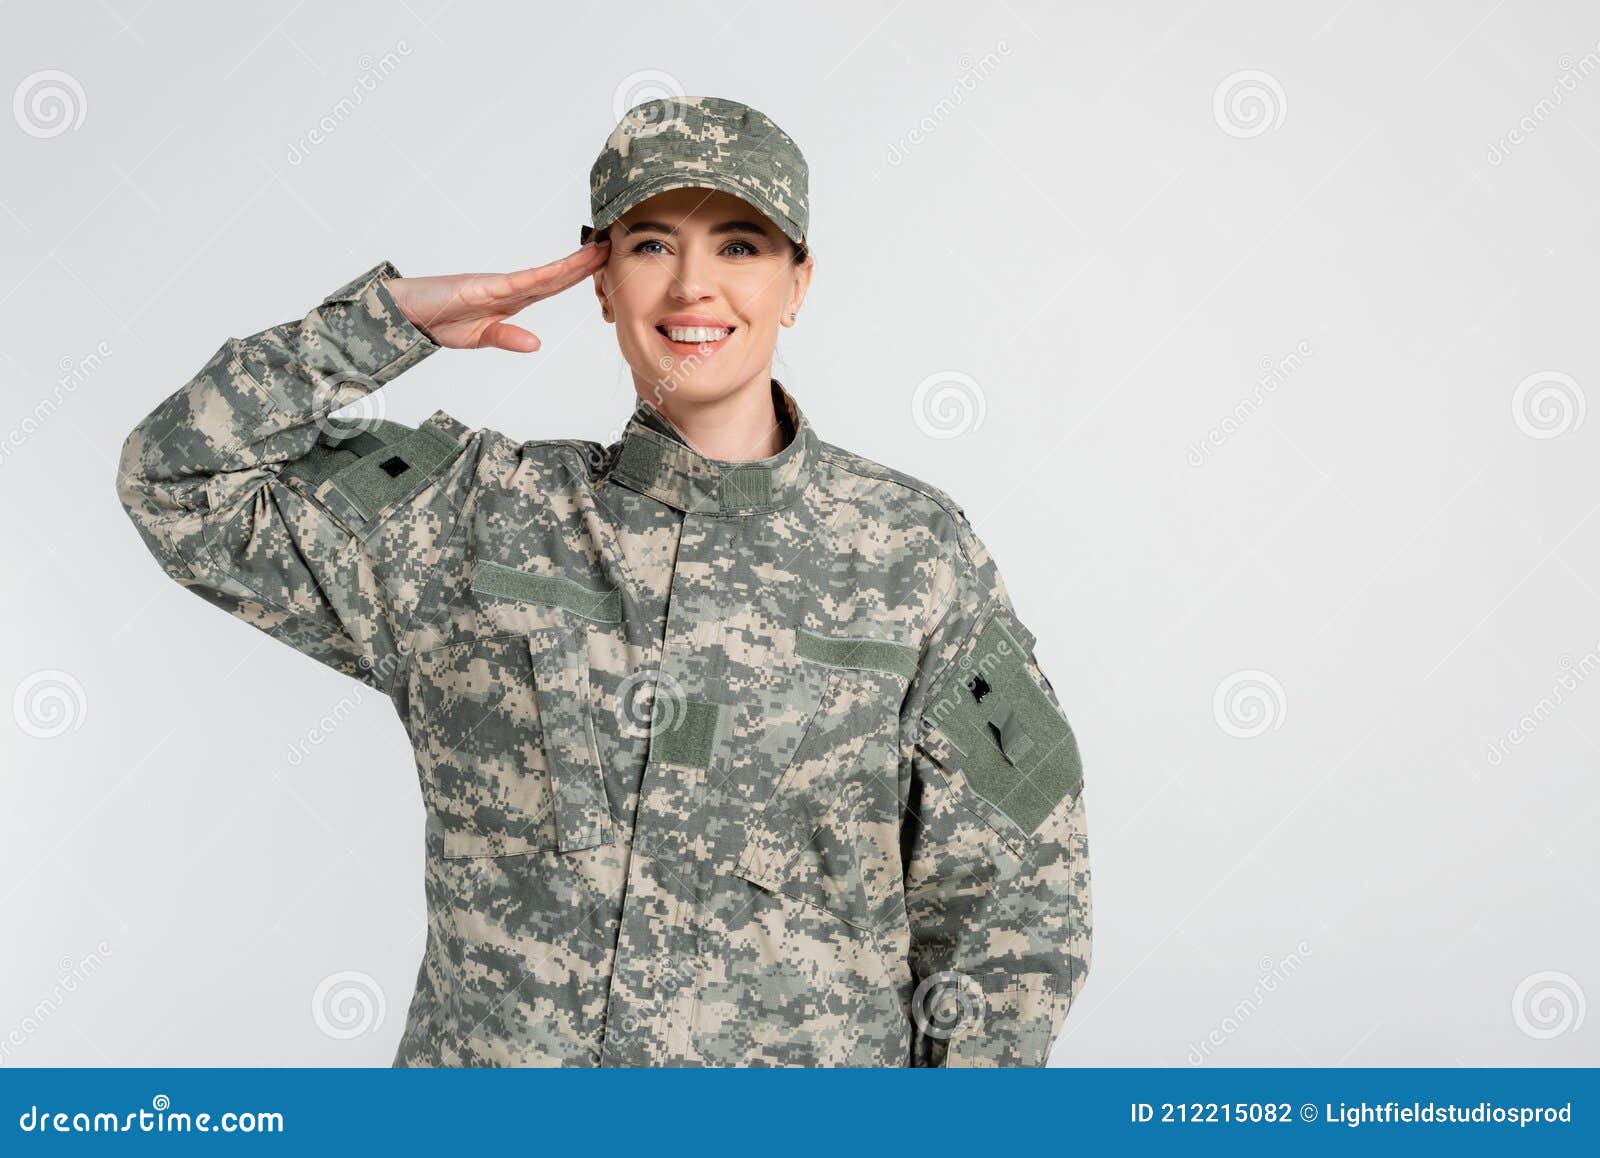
x: 829, y: 833
x: 506, y: 738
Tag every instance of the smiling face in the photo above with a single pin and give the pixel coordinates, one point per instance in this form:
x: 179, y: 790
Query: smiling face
x: 698, y: 283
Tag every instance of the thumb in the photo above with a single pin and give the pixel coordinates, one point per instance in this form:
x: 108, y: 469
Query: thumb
x: 505, y: 336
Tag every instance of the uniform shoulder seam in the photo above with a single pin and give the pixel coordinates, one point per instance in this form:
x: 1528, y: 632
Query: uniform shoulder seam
x: 856, y: 464
x: 866, y: 468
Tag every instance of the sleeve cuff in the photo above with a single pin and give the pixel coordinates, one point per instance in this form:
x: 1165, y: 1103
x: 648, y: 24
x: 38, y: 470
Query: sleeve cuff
x: 378, y: 340
x: 1005, y: 1019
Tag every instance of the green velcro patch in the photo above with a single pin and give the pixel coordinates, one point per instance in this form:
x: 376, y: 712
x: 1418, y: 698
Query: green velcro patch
x: 320, y: 464
x: 364, y: 442
x: 1018, y: 750
x: 745, y: 486
x: 863, y: 654
x: 684, y: 732
x: 639, y: 461
x: 395, y: 470
x: 333, y: 452
x: 490, y: 578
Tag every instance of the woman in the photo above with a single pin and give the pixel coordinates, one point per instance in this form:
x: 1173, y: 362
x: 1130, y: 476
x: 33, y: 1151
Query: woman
x: 733, y: 749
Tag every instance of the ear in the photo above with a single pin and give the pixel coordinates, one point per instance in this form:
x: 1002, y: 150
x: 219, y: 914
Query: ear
x: 602, y: 296
x: 797, y: 293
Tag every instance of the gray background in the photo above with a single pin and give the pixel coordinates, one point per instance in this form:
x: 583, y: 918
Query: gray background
x: 1286, y: 664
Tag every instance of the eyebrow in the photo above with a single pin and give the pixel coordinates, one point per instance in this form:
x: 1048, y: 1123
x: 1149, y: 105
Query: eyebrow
x: 671, y: 230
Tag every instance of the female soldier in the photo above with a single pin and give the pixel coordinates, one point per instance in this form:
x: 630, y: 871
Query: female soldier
x: 732, y: 747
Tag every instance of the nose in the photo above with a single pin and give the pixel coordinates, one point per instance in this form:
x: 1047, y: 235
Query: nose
x: 689, y: 278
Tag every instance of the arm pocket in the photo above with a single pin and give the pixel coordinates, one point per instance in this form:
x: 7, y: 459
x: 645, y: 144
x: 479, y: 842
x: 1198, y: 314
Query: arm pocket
x: 997, y: 732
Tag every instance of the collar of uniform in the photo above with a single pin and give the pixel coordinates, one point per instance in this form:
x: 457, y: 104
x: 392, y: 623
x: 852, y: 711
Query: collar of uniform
x: 655, y: 459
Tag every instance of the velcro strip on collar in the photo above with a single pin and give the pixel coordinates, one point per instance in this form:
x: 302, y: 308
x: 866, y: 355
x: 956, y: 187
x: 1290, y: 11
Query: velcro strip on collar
x: 745, y: 486
x: 639, y: 461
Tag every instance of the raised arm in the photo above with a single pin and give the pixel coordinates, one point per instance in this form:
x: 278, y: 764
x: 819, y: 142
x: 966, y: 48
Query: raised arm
x: 247, y: 494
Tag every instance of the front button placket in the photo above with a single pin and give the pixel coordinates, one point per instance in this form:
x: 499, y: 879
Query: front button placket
x: 658, y: 965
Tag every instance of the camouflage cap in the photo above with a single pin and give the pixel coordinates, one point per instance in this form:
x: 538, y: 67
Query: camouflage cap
x: 691, y: 142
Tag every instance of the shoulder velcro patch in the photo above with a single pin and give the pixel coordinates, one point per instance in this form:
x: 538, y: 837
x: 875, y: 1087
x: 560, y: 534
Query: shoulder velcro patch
x: 1018, y: 751
x: 370, y: 472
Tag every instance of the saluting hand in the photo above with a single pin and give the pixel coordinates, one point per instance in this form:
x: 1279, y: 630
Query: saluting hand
x: 467, y: 311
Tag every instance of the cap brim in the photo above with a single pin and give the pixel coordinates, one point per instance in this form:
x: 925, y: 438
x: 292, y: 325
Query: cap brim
x: 642, y: 192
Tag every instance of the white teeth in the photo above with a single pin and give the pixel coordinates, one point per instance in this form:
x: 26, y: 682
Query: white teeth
x: 696, y: 333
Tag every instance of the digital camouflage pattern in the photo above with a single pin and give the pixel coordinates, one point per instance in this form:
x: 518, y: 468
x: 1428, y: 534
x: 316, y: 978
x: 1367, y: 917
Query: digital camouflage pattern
x: 692, y: 142
x: 723, y: 764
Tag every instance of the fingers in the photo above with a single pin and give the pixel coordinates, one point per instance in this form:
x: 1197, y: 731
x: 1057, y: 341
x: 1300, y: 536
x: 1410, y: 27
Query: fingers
x: 544, y: 280
x: 505, y: 336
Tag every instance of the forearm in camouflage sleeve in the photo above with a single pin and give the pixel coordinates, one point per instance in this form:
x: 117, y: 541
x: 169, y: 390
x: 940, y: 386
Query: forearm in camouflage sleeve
x: 229, y: 482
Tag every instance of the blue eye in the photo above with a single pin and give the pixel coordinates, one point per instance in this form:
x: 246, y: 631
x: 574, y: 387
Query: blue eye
x: 751, y: 250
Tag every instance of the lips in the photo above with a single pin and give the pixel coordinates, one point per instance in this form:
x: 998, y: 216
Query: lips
x: 694, y: 320
x: 703, y: 337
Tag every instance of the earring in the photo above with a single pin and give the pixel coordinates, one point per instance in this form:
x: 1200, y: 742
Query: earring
x: 791, y: 315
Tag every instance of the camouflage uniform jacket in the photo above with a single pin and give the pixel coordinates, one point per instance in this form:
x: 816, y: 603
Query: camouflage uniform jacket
x: 722, y: 763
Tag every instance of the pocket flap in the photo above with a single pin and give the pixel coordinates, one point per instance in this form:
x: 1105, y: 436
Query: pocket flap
x: 813, y: 838
x: 561, y: 687
x: 505, y: 745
